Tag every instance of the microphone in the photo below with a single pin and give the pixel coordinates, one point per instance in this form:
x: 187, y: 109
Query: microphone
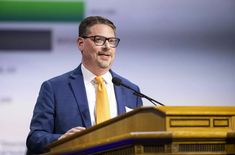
x: 118, y: 82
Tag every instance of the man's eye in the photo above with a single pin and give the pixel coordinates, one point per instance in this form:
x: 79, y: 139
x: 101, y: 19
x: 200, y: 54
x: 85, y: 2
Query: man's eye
x: 112, y: 40
x: 98, y: 39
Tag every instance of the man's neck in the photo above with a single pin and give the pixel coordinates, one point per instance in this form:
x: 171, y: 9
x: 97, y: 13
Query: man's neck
x: 96, y: 70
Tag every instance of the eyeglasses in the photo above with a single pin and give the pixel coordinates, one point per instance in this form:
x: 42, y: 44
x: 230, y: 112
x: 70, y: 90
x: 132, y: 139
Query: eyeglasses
x: 100, y: 40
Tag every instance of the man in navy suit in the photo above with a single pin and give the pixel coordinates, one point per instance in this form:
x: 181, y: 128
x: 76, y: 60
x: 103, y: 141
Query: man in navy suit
x: 66, y: 103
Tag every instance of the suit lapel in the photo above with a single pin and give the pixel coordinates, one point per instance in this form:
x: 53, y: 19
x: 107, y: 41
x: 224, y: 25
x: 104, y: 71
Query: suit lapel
x: 78, y: 88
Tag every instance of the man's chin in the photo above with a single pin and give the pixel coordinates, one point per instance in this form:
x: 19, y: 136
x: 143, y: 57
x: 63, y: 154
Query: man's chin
x: 105, y: 65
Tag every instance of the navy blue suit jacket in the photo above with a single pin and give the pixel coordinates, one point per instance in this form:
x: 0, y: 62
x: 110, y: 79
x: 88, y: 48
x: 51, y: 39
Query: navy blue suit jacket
x: 62, y: 104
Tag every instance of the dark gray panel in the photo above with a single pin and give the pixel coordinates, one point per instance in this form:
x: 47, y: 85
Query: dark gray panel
x: 25, y: 40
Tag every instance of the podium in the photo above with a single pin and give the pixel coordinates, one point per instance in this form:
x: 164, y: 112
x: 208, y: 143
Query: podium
x: 166, y: 130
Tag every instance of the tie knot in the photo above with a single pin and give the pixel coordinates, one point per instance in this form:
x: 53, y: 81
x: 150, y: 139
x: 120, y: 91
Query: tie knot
x: 99, y: 79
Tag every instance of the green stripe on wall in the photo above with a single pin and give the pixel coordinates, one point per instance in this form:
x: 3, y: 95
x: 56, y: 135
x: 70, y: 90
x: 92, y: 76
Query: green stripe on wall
x: 42, y: 11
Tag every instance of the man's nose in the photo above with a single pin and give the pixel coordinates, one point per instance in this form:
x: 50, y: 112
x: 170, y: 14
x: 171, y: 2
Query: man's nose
x: 107, y: 44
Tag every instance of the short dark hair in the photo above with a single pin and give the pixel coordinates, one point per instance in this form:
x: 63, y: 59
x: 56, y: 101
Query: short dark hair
x: 88, y: 22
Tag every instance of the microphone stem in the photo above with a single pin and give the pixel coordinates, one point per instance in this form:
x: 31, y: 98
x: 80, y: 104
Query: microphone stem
x: 148, y: 98
x: 138, y: 93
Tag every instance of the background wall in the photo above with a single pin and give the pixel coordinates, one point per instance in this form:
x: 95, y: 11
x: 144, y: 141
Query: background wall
x: 179, y: 53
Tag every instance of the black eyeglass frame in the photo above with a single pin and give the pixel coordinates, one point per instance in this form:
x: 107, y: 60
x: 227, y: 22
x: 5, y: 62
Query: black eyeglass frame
x: 104, y: 39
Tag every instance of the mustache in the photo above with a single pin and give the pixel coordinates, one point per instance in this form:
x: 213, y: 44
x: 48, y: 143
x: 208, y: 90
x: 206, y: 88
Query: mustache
x: 104, y: 53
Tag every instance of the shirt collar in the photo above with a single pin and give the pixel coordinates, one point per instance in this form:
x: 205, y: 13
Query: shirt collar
x: 89, y: 76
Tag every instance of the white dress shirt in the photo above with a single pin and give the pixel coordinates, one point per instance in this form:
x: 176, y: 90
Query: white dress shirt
x: 90, y: 86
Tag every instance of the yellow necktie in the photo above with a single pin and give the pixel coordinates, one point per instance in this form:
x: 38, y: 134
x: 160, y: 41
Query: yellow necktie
x: 102, y: 103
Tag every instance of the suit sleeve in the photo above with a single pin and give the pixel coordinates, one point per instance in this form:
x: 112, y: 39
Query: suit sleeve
x: 42, y: 123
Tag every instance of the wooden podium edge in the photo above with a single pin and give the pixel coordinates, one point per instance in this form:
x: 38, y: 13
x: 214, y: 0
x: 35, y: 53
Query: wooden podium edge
x: 124, y: 139
x: 106, y: 123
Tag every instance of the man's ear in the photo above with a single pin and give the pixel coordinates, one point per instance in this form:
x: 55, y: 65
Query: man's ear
x: 80, y: 43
